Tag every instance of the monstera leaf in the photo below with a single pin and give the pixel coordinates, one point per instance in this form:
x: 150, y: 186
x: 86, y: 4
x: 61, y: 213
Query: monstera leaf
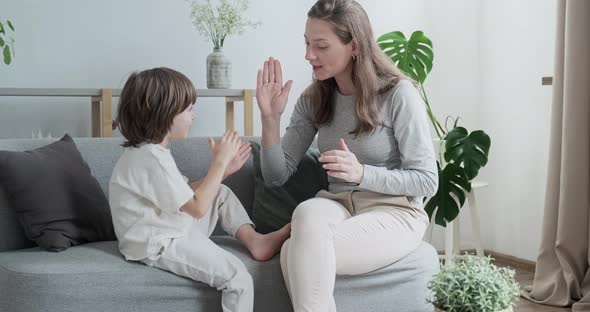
x: 469, y: 151
x: 414, y: 57
x: 464, y: 153
x: 450, y: 196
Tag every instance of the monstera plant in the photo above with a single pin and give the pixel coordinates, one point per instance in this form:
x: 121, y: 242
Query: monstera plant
x: 7, y: 41
x: 461, y: 154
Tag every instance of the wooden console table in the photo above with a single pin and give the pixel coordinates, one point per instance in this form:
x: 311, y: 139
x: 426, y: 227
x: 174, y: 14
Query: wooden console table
x: 231, y: 96
x: 102, y: 99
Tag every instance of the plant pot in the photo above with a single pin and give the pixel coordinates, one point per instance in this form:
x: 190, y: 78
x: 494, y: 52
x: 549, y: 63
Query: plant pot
x: 218, y: 70
x: 509, y: 309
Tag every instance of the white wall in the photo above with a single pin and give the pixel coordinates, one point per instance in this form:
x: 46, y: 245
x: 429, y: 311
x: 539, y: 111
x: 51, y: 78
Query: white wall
x: 489, y: 71
x: 489, y: 57
x: 453, y: 86
x: 517, y: 50
x: 84, y: 44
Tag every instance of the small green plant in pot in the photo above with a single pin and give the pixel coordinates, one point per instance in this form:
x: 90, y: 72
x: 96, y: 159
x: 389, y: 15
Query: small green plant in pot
x: 473, y: 284
x: 461, y: 154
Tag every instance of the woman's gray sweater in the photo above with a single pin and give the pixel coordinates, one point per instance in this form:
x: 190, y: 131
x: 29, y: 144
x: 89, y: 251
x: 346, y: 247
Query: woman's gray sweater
x: 398, y: 157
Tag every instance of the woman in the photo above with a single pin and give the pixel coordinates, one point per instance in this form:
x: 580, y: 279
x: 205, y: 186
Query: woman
x: 376, y: 148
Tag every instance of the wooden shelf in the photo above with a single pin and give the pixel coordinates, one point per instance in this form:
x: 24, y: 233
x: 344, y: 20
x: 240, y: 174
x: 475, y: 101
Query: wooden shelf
x: 101, y: 104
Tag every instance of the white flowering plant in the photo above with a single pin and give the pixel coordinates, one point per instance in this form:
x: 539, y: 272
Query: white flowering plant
x: 216, y: 23
x: 474, y: 284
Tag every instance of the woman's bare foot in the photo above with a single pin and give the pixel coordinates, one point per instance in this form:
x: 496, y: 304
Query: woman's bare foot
x: 263, y: 247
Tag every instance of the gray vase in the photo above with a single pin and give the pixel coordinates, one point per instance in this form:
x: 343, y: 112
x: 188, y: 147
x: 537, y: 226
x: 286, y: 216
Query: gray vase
x: 218, y: 70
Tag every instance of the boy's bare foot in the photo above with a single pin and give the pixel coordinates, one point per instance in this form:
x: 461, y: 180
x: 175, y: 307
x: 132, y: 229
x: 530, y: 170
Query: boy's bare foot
x: 263, y: 247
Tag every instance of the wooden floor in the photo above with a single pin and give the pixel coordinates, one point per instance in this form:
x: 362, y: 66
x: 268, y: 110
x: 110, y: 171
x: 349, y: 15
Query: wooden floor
x: 525, y: 278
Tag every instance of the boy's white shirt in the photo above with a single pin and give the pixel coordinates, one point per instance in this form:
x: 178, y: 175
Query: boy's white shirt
x: 146, y: 192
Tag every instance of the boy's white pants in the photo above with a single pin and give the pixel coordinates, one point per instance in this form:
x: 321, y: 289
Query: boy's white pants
x: 346, y: 233
x: 197, y: 257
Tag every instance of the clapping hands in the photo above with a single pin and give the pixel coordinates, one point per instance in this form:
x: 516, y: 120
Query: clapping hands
x: 230, y: 151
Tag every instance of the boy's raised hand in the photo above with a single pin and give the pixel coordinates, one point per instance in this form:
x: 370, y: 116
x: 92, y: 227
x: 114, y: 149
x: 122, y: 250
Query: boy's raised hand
x: 237, y: 162
x: 226, y: 149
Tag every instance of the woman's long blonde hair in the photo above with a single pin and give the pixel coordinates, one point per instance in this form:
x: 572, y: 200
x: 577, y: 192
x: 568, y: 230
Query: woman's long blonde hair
x: 373, y: 73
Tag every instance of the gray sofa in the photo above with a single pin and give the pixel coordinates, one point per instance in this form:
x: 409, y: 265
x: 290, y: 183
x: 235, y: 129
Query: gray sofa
x: 95, y: 277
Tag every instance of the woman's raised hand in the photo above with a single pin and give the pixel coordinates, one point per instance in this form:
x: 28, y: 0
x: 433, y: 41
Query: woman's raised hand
x: 271, y: 94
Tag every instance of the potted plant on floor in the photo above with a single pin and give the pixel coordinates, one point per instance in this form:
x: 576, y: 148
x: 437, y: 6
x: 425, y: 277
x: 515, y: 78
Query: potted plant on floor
x: 6, y: 41
x: 461, y: 154
x: 473, y: 284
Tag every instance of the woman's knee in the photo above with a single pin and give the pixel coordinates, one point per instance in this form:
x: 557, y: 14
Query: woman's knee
x: 306, y: 216
x: 316, y: 214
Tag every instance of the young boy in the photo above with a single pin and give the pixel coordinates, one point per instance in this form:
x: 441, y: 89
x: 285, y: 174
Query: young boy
x: 162, y: 221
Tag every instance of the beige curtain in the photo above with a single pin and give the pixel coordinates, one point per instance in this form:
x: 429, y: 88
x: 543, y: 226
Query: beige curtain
x: 562, y: 276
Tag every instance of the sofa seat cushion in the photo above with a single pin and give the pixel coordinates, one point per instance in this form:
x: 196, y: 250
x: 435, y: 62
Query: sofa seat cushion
x: 95, y: 277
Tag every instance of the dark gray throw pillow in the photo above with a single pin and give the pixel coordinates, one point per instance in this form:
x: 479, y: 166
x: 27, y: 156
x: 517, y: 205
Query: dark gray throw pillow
x: 274, y: 205
x: 55, y: 197
x: 12, y: 236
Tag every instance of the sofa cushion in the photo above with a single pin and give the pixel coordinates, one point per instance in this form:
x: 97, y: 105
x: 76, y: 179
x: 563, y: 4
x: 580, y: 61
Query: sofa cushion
x: 95, y: 277
x: 56, y: 199
x: 274, y: 205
